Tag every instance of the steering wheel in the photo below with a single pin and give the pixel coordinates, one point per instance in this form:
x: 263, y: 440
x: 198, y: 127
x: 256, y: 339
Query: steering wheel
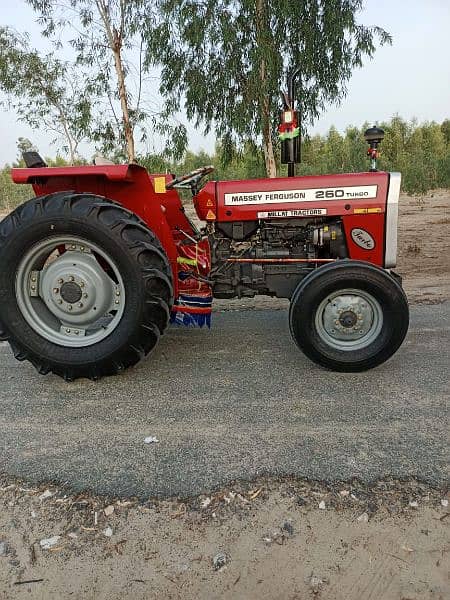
x: 190, y: 180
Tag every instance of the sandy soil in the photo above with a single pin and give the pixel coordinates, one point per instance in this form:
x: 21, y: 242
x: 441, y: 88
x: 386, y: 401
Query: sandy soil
x: 424, y: 246
x: 251, y: 541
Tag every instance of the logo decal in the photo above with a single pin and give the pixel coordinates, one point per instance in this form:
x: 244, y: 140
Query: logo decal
x: 355, y: 192
x: 305, y: 212
x: 363, y: 239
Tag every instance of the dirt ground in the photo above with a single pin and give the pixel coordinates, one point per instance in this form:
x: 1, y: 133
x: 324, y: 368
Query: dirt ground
x: 284, y: 540
x: 424, y: 246
x: 270, y: 539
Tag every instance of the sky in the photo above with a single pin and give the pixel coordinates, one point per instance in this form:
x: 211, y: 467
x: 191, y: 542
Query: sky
x: 410, y: 78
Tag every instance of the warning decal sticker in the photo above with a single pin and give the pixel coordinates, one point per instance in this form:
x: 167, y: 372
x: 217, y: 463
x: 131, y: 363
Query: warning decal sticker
x: 306, y: 212
x: 354, y: 192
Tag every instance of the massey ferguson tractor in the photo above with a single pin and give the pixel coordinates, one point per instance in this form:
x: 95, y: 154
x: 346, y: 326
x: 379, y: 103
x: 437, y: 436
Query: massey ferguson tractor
x: 96, y: 266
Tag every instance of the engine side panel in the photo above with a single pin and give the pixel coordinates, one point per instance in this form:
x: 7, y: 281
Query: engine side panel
x: 359, y: 199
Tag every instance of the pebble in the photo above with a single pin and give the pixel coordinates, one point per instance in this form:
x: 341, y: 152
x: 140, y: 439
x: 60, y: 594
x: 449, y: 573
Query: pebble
x: 322, y: 505
x: 414, y: 504
x: 444, y: 502
x: 288, y: 528
x: 206, y: 502
x: 3, y: 548
x: 45, y: 495
x: 50, y: 542
x: 315, y: 583
x: 219, y: 561
x: 272, y: 536
x: 108, y: 532
x: 109, y: 510
x: 151, y: 439
x: 364, y: 518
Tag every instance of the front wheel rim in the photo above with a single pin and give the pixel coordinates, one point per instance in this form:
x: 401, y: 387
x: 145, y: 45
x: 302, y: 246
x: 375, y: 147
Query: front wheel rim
x: 70, y: 291
x: 349, y: 319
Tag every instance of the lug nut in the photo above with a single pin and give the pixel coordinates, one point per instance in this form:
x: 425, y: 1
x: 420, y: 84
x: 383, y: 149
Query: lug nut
x: 55, y: 290
x: 85, y: 295
x: 60, y: 281
x: 69, y: 307
x: 117, y: 302
x: 73, y: 247
x: 33, y: 279
x: 71, y: 278
x: 81, y: 284
x: 117, y: 293
x: 67, y: 330
x: 33, y: 287
x: 60, y: 301
x: 80, y: 305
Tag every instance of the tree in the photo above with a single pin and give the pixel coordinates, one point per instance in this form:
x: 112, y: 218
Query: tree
x: 44, y: 91
x: 225, y: 60
x: 107, y: 35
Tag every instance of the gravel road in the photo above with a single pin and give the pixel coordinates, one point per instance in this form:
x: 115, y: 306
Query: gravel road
x: 232, y: 403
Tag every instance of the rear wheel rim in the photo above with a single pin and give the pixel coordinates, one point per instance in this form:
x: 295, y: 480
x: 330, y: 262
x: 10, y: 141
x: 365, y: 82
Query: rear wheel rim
x: 70, y: 291
x: 349, y: 319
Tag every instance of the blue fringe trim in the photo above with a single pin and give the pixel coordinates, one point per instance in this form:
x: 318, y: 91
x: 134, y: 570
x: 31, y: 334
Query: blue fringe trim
x: 192, y: 319
x: 199, y: 301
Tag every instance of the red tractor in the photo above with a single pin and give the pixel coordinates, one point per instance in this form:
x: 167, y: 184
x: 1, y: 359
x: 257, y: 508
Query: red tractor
x: 94, y: 268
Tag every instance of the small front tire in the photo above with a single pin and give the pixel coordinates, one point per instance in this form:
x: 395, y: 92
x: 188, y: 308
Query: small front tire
x: 349, y: 316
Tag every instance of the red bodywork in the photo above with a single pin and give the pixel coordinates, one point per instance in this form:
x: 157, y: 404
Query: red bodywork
x: 162, y: 210
x: 356, y: 212
x: 133, y: 188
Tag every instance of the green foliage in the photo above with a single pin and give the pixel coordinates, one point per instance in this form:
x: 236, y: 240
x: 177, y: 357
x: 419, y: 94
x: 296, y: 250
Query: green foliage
x: 225, y: 60
x: 11, y: 194
x: 107, y: 38
x: 45, y: 92
x: 420, y: 152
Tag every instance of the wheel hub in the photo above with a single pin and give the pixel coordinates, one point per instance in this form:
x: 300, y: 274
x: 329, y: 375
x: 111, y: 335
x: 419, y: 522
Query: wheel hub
x: 76, y: 298
x: 70, y: 292
x: 349, y: 319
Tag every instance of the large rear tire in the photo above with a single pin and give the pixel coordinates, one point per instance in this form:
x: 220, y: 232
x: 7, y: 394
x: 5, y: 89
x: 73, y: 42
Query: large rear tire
x: 85, y: 286
x: 349, y: 316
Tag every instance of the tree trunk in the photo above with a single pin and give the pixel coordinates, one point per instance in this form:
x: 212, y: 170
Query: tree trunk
x: 68, y: 136
x: 269, y: 157
x: 127, y: 127
x: 261, y: 40
x: 115, y: 42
